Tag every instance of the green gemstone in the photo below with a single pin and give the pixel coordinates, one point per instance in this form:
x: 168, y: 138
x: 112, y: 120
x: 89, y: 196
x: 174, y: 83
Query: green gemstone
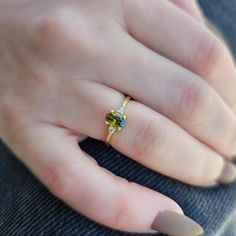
x: 115, y: 119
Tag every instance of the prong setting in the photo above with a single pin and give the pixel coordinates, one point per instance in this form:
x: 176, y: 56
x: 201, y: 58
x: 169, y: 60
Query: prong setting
x: 116, y: 120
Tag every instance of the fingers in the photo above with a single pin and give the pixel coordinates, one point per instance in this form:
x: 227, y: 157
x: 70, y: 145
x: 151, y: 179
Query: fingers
x: 191, y: 7
x: 149, y: 138
x: 54, y: 157
x: 173, y: 91
x: 182, y: 39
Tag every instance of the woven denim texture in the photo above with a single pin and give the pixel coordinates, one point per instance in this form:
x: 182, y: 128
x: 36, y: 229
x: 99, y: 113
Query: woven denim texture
x: 27, y: 208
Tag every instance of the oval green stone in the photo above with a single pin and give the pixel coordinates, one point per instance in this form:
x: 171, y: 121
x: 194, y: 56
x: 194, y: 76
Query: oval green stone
x: 114, y: 120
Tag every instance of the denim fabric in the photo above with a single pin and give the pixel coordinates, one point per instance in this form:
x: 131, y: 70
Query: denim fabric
x: 27, y: 208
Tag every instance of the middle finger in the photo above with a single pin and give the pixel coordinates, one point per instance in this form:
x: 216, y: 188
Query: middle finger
x: 166, y: 29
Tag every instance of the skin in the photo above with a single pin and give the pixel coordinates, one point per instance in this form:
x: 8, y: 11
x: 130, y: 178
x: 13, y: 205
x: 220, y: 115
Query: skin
x: 65, y: 64
x: 190, y: 7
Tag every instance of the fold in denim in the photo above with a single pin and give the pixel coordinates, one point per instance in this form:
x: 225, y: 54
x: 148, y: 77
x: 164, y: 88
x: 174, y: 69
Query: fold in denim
x: 28, y: 208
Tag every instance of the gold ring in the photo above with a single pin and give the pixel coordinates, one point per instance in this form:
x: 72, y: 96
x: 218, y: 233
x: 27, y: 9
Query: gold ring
x: 116, y: 120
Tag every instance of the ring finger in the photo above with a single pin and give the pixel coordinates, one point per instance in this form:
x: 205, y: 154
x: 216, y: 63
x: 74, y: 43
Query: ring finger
x: 149, y: 138
x: 174, y: 91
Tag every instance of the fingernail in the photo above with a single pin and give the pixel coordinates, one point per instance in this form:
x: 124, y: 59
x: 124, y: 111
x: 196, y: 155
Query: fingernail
x: 228, y: 174
x: 175, y: 224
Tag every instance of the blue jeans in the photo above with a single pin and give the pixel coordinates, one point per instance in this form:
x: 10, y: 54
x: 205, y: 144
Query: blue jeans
x: 27, y: 208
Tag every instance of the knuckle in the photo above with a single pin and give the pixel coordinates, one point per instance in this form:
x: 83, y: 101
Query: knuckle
x: 117, y: 219
x: 54, y: 28
x: 143, y: 140
x: 11, y: 114
x: 152, y: 141
x: 48, y: 30
x: 59, y: 181
x: 62, y: 29
x: 52, y: 22
x: 195, y: 100
x: 208, y: 54
x: 121, y: 212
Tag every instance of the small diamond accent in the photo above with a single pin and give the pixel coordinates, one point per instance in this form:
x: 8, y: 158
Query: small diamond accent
x: 121, y: 110
x: 111, y: 130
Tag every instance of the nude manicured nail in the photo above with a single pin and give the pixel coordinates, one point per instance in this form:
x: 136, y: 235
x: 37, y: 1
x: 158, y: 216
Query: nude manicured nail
x: 175, y: 224
x: 228, y: 174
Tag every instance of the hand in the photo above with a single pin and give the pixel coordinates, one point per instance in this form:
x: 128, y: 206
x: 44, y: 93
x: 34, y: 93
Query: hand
x: 64, y: 65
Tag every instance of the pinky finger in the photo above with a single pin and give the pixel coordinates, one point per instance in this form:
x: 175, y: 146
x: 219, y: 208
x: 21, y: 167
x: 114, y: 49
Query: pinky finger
x: 94, y: 191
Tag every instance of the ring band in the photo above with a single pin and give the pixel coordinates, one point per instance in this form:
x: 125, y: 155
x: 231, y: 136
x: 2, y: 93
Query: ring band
x: 116, y: 120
